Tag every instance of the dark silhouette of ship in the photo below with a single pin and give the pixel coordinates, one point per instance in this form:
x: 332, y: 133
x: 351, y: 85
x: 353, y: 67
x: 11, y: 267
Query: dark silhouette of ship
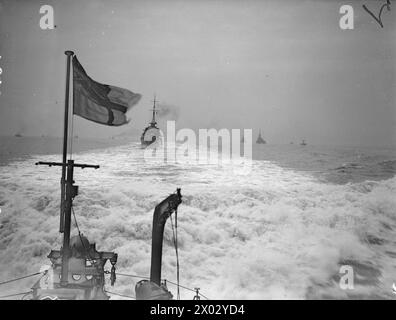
x: 260, y: 139
x: 303, y: 143
x: 151, y: 132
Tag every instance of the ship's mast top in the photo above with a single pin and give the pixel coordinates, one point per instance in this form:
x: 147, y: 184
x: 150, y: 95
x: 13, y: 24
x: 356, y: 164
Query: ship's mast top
x: 153, y: 122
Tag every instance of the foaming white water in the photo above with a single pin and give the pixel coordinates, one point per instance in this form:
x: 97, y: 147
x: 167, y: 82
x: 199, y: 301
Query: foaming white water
x: 274, y: 233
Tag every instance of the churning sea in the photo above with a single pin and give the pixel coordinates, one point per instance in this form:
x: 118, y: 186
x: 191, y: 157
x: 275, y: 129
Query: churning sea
x: 283, y: 231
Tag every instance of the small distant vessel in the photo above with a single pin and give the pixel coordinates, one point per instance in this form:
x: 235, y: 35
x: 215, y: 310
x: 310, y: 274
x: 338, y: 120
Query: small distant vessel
x: 260, y: 139
x: 18, y: 135
x: 303, y: 143
x: 151, y: 132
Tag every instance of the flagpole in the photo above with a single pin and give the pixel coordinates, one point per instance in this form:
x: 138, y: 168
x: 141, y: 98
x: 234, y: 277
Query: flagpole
x: 69, y: 55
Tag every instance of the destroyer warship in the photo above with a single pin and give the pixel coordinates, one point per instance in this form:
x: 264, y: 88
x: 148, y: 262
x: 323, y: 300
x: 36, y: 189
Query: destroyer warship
x: 151, y: 132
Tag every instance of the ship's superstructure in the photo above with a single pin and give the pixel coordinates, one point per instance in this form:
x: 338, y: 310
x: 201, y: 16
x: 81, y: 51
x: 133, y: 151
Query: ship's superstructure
x: 77, y: 269
x: 151, y: 132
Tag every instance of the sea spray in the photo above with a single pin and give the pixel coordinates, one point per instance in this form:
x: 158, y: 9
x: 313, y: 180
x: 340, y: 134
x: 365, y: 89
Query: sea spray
x: 276, y: 233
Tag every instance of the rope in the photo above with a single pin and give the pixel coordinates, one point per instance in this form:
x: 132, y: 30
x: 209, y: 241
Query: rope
x: 80, y: 235
x: 15, y: 294
x: 192, y: 290
x: 20, y: 278
x: 119, y: 294
x: 177, y: 256
x: 177, y: 253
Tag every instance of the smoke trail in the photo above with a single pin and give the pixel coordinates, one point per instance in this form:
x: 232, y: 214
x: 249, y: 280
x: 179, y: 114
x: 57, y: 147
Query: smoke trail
x: 168, y: 111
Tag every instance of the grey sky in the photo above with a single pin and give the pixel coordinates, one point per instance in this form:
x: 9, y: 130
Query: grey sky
x: 284, y: 66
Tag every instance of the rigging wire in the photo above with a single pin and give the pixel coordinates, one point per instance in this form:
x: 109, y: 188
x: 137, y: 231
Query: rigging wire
x: 43, y: 273
x: 24, y: 277
x: 184, y: 287
x: 80, y: 236
x: 119, y: 294
x: 174, y: 231
x: 15, y: 294
x: 177, y: 255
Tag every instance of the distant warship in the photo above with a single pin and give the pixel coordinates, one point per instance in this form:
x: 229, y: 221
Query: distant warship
x: 303, y: 143
x: 260, y: 139
x: 151, y: 132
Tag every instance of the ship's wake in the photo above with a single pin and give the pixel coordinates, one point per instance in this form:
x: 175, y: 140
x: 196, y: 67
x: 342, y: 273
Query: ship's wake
x: 272, y: 234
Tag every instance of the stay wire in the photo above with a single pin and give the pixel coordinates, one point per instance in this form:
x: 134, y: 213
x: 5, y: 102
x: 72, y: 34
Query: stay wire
x: 15, y: 294
x: 177, y: 253
x: 80, y: 236
x: 177, y: 257
x: 20, y: 278
x: 189, y: 289
x: 121, y: 295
